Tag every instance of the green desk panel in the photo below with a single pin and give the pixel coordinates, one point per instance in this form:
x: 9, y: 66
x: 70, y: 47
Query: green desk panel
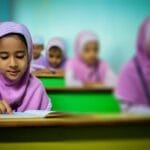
x: 83, y: 101
x: 52, y: 81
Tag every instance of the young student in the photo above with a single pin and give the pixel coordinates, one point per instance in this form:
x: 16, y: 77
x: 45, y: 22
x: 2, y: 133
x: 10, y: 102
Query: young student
x: 133, y: 87
x: 55, y: 56
x: 38, y: 58
x: 86, y: 69
x: 19, y: 90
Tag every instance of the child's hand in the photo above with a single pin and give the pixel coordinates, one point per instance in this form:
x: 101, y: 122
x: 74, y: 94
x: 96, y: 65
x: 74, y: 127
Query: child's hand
x: 60, y: 72
x: 93, y: 85
x: 5, y: 107
x: 45, y: 70
x: 42, y: 71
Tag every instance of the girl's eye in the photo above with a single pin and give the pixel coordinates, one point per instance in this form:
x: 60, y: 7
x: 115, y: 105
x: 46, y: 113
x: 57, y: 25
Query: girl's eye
x: 20, y: 55
x: 86, y: 50
x: 3, y: 56
x: 51, y: 56
x: 58, y: 57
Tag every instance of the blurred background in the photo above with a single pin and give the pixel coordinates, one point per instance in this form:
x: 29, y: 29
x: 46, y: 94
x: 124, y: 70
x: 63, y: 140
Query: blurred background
x: 115, y: 21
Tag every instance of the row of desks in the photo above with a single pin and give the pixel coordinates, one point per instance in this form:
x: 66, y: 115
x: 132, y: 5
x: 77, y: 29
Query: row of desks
x: 79, y: 100
x: 94, y: 131
x: 86, y: 128
x: 51, y: 80
x: 69, y: 99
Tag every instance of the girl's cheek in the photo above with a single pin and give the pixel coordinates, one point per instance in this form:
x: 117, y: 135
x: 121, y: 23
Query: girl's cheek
x: 3, y: 65
x: 22, y: 64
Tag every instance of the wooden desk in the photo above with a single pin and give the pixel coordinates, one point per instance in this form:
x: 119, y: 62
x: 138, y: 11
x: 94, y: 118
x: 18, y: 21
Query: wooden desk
x: 77, y: 132
x: 51, y: 80
x: 99, y: 100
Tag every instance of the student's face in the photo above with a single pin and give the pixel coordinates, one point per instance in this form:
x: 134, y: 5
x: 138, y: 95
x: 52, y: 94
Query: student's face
x: 13, y: 57
x: 90, y: 52
x: 37, y: 50
x: 55, y: 57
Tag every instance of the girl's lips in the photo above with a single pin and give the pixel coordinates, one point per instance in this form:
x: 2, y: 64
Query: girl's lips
x: 13, y: 73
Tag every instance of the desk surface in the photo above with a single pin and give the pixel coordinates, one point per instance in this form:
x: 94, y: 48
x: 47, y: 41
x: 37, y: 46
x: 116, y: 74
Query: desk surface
x: 44, y: 75
x: 78, y: 120
x: 80, y: 89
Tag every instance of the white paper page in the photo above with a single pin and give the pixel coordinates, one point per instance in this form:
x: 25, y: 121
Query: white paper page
x: 27, y: 114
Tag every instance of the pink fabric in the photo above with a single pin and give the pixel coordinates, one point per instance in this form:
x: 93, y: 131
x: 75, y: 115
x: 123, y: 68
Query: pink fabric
x: 83, y: 72
x: 38, y: 64
x: 129, y: 87
x: 27, y: 92
x: 59, y: 42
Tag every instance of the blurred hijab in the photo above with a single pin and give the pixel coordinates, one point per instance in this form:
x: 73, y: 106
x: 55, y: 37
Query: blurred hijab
x: 83, y: 72
x: 26, y: 92
x: 134, y: 80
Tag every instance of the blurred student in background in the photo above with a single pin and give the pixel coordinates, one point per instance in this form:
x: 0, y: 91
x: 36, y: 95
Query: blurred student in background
x: 55, y: 58
x: 86, y: 69
x: 133, y: 87
x: 37, y: 59
x: 19, y: 90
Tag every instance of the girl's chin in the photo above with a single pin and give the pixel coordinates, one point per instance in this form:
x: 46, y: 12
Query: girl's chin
x: 13, y: 78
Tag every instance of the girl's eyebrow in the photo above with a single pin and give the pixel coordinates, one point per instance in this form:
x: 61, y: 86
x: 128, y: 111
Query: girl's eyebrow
x: 3, y: 52
x: 20, y: 51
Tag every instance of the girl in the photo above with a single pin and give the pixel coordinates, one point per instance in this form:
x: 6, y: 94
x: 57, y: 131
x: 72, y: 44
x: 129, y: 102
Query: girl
x: 133, y: 87
x: 38, y: 58
x: 19, y: 90
x: 86, y: 69
x: 55, y: 57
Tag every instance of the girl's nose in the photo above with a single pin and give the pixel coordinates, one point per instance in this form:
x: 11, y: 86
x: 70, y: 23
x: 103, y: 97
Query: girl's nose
x: 13, y: 62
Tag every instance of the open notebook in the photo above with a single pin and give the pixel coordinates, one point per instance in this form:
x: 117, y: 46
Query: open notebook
x: 34, y: 114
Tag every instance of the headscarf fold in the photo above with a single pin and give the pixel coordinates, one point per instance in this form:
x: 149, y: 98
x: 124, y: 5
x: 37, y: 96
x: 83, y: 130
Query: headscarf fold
x: 83, y: 72
x: 58, y: 42
x: 129, y: 86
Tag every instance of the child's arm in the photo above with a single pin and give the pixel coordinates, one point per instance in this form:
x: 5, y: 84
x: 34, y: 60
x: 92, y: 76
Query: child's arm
x: 5, y: 107
x: 45, y: 100
x: 39, y: 100
x: 59, y: 72
x: 129, y: 107
x: 94, y: 85
x: 110, y: 78
x: 70, y: 78
x: 42, y: 71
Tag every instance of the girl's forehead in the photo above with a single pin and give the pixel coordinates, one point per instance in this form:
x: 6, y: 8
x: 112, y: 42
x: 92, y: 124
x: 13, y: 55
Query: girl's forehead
x: 11, y: 44
x: 91, y: 43
x: 11, y: 39
x: 55, y: 52
x: 55, y: 49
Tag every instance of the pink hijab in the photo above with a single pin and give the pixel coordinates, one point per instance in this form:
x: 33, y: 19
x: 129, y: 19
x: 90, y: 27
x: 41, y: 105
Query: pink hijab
x: 130, y: 87
x: 59, y: 42
x: 83, y: 72
x: 27, y: 92
x: 37, y: 64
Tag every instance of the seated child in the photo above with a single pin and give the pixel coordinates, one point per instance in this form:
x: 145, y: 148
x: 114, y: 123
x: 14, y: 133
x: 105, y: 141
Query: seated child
x: 19, y: 90
x: 133, y: 87
x: 55, y: 57
x: 38, y: 58
x: 86, y: 69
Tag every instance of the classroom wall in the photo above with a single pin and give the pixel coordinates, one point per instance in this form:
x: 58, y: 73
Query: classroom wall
x: 115, y: 21
x: 5, y: 10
